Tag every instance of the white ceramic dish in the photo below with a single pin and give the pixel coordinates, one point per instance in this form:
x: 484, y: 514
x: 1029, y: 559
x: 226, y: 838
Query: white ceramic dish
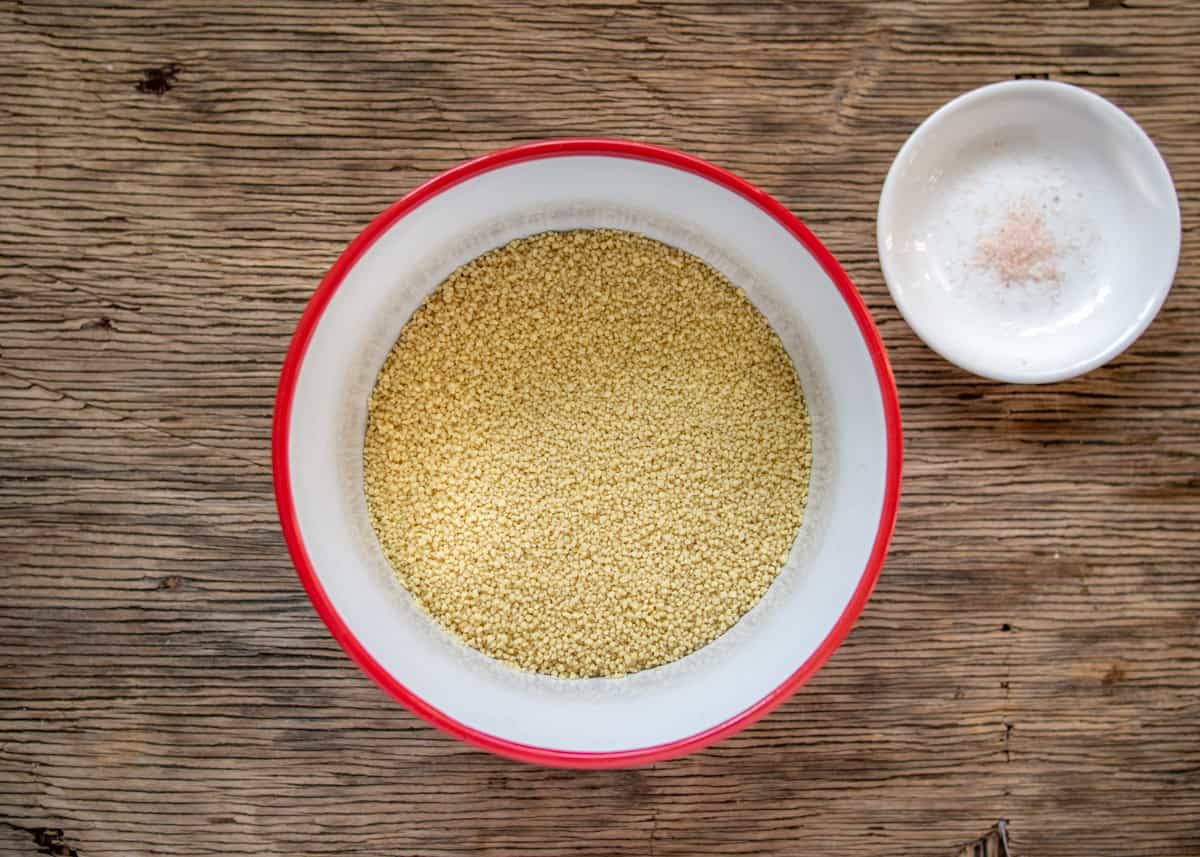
x: 1103, y: 194
x: 355, y: 317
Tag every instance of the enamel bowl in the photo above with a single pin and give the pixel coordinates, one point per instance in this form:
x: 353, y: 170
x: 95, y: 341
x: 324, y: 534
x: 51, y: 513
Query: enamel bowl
x: 1053, y: 181
x: 355, y: 317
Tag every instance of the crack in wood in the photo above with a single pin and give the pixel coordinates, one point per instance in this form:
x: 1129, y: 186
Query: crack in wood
x: 48, y: 840
x: 994, y: 843
x: 119, y: 417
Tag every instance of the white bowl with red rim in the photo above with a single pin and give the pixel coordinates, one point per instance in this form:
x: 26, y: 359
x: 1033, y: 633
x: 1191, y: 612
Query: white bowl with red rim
x: 353, y: 320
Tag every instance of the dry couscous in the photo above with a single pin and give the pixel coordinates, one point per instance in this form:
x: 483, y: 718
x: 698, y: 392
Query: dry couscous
x: 587, y: 454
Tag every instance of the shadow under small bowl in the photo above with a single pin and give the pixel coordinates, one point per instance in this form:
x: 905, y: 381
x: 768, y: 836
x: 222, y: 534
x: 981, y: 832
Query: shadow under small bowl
x: 1061, y: 182
x: 355, y: 317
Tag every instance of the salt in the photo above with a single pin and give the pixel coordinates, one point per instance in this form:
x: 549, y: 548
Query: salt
x: 1022, y: 249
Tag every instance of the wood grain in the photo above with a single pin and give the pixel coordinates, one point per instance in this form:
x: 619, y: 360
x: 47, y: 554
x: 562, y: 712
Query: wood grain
x: 165, y: 688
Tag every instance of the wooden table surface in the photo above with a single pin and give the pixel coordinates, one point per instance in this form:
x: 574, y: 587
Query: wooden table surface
x: 177, y: 176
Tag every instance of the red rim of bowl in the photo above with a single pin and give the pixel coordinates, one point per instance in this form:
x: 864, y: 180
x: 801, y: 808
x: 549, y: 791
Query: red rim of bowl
x: 295, y: 542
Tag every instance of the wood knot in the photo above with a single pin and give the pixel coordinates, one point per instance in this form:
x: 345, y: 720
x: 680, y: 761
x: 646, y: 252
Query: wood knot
x: 50, y: 841
x: 156, y: 81
x: 102, y: 323
x: 172, y: 582
x: 1115, y: 675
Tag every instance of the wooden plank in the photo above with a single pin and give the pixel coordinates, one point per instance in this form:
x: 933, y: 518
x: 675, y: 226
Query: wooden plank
x: 1030, y: 652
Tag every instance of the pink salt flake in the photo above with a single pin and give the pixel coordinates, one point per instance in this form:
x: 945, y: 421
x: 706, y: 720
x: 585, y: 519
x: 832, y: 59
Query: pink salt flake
x: 1022, y: 249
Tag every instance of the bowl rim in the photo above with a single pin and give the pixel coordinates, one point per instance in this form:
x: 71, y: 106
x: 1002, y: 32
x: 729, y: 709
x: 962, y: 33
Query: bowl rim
x: 311, y: 317
x: 926, y: 332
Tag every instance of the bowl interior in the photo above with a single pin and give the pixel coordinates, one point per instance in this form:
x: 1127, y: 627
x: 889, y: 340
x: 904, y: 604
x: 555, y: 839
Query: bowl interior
x: 841, y: 381
x: 1103, y: 193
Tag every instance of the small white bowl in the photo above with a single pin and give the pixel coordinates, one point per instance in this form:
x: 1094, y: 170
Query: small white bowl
x: 361, y: 307
x: 1009, y: 161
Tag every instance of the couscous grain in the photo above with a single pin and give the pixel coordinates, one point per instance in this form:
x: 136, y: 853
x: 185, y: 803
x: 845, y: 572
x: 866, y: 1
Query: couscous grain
x: 587, y: 454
